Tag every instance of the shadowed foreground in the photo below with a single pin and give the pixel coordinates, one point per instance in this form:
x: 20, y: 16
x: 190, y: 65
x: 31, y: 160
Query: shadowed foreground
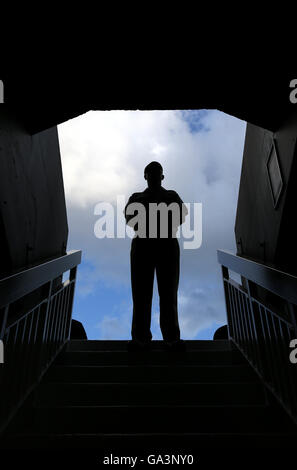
x: 97, y: 395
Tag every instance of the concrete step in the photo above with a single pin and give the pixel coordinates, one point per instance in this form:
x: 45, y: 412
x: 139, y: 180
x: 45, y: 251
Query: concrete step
x: 99, y: 395
x: 156, y: 419
x: 121, y: 345
x: 198, y: 357
x: 152, y: 444
x: 151, y: 373
x: 93, y: 394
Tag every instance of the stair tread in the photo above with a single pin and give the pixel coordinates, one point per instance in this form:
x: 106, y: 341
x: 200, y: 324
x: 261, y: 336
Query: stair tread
x: 170, y: 382
x: 154, y: 343
x: 154, y: 366
x: 139, y: 418
x: 150, y: 392
x: 98, y: 390
x: 227, y: 433
x: 155, y: 441
x: 160, y: 406
x: 157, y: 357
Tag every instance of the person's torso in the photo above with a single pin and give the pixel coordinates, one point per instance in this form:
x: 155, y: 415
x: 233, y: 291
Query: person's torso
x: 158, y: 218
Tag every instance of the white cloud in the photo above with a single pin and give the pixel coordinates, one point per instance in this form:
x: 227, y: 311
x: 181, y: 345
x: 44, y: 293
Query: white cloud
x: 104, y: 154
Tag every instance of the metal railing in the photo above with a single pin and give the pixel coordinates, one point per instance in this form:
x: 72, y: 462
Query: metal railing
x: 260, y: 327
x: 35, y: 321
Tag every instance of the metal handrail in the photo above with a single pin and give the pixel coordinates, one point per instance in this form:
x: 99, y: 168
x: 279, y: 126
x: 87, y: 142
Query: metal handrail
x: 18, y: 285
x: 262, y: 334
x: 33, y: 338
x: 280, y: 283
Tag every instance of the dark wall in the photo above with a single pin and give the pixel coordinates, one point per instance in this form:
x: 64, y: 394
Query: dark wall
x: 265, y: 232
x: 33, y: 220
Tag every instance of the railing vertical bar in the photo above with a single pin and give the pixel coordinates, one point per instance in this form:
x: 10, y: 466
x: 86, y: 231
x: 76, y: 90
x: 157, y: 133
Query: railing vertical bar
x: 26, y: 342
x: 252, y: 351
x: 64, y: 313
x: 4, y: 320
x: 70, y: 302
x: 51, y: 321
x: 72, y: 290
x: 51, y: 317
x: 269, y: 375
x: 27, y: 378
x: 55, y: 315
x: 259, y: 337
x: 238, y: 314
x: 231, y: 321
x: 284, y: 364
x: 245, y: 324
x: 232, y: 326
x: 278, y: 360
x: 60, y: 318
x: 235, y: 315
x: 67, y: 297
x: 227, y: 303
x: 237, y: 310
x: 35, y: 345
x: 16, y: 360
x: 291, y: 370
x: 275, y: 380
x: 46, y: 328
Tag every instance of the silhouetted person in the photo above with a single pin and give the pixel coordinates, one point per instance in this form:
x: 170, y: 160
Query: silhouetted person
x: 158, y: 254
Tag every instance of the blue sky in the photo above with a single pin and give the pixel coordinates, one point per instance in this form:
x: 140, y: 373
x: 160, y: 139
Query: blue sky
x: 103, y: 155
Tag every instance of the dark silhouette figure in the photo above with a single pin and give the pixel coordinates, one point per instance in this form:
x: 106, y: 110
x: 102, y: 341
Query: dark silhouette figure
x: 77, y: 330
x: 158, y: 254
x: 221, y: 333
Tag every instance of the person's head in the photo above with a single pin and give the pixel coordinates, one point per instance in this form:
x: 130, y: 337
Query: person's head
x: 153, y: 173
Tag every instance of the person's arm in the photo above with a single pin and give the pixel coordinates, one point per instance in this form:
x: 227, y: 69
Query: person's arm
x: 183, y: 208
x: 128, y: 217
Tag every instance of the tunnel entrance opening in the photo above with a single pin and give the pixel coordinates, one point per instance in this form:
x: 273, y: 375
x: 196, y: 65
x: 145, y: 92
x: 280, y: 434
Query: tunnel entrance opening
x: 103, y: 156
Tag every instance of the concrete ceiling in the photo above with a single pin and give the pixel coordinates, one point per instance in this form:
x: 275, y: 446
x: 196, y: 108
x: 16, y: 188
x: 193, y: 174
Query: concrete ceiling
x: 42, y: 103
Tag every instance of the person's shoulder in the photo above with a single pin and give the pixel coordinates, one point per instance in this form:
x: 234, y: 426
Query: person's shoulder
x: 173, y: 194
x: 171, y: 191
x: 135, y: 196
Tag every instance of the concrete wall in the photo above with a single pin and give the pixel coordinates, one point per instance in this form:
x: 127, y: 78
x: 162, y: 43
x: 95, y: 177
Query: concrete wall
x: 33, y: 220
x: 262, y: 231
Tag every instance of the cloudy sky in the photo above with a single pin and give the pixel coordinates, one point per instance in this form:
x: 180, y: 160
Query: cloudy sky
x: 103, y: 155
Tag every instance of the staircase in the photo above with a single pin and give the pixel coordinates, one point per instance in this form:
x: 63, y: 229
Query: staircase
x: 97, y: 395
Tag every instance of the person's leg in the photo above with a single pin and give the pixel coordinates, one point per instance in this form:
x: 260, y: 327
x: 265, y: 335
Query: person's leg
x: 142, y: 281
x: 167, y: 268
